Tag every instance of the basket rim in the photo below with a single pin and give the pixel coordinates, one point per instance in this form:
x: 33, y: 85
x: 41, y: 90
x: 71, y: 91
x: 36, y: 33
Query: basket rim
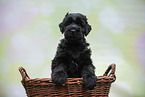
x: 108, y: 76
x: 70, y: 81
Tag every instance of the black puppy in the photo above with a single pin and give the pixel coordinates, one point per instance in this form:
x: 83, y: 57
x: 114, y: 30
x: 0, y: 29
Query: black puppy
x: 72, y: 58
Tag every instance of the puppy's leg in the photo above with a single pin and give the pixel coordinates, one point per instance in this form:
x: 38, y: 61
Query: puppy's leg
x: 59, y: 75
x: 88, y: 74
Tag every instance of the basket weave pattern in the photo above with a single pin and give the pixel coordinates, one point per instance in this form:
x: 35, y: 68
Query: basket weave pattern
x: 72, y: 88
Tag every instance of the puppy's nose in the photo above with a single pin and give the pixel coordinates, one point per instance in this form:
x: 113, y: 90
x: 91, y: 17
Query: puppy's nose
x: 73, y: 30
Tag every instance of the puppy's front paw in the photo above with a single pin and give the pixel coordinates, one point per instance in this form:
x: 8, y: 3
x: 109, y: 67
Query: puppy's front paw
x: 90, y: 82
x: 59, y: 78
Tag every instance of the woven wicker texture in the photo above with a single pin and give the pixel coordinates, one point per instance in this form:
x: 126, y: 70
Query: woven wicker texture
x: 72, y: 88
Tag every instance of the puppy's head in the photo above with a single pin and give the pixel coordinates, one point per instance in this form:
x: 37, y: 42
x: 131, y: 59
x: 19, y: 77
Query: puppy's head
x: 75, y: 26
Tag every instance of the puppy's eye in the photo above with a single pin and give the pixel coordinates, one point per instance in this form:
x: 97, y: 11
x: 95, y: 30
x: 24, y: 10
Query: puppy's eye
x: 79, y: 22
x: 68, y: 22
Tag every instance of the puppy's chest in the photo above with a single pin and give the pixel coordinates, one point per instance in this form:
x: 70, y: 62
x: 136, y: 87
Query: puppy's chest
x: 74, y: 66
x: 74, y: 53
x: 74, y: 57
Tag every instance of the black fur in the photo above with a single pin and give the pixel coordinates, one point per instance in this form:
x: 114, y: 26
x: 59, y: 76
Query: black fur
x: 72, y: 58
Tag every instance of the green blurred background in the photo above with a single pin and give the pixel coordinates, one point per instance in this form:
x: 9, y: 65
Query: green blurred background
x: 29, y: 35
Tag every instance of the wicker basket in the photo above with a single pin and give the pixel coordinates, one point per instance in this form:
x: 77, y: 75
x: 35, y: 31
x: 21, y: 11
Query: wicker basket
x: 72, y: 88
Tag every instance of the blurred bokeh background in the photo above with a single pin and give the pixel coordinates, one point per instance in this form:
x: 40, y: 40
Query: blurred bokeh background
x: 29, y: 35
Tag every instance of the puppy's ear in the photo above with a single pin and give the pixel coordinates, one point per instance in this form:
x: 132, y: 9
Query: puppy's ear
x: 67, y: 14
x: 88, y: 29
x: 61, y: 27
x: 61, y: 24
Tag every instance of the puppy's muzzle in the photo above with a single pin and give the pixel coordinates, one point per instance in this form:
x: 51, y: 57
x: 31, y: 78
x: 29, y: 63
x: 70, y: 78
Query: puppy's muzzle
x: 75, y: 29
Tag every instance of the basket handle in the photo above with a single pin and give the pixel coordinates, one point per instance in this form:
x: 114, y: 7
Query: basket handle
x: 111, y: 71
x: 23, y: 74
